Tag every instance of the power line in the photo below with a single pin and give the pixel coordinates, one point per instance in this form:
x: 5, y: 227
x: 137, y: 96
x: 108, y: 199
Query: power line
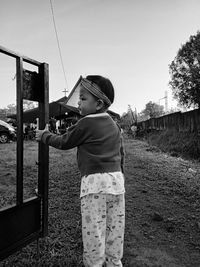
x: 58, y: 43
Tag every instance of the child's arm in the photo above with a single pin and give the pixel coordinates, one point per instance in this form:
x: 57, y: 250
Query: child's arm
x: 122, y: 150
x: 73, y: 137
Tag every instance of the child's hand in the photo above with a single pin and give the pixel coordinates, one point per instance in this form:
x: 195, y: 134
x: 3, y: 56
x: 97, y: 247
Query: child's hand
x: 39, y: 133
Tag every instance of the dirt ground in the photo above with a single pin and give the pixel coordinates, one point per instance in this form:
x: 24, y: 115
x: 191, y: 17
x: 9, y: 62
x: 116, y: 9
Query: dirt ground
x: 162, y: 211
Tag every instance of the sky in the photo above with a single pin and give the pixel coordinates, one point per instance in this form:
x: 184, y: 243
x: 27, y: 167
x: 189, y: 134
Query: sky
x: 131, y: 42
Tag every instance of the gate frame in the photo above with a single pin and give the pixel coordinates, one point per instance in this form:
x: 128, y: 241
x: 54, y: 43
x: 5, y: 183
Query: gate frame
x: 27, y: 221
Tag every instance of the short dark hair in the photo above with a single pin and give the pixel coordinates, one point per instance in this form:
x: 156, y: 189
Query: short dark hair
x: 104, y: 84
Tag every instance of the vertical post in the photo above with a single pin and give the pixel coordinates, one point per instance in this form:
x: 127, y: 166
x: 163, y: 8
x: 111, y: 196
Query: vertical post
x: 43, y: 172
x: 19, y: 188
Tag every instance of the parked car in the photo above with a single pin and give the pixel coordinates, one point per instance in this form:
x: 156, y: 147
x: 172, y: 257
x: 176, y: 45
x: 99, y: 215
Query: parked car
x: 7, y: 132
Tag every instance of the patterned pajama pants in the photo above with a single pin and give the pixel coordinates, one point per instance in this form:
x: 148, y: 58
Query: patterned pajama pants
x: 103, y: 221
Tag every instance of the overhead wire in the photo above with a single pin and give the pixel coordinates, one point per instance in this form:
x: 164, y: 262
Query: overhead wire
x: 58, y: 44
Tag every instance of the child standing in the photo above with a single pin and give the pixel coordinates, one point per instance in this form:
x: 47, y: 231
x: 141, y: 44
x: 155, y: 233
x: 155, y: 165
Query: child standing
x: 100, y: 161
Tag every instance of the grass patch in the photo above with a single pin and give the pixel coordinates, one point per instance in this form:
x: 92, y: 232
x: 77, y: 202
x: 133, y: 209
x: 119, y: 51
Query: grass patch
x: 182, y: 144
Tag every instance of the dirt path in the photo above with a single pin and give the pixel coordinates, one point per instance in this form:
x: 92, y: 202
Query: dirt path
x: 162, y: 209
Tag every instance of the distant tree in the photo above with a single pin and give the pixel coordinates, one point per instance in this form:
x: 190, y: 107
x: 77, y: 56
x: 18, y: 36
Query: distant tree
x: 174, y: 110
x: 128, y: 118
x: 185, y: 73
x: 132, y: 115
x: 11, y: 109
x: 152, y: 110
x: 28, y: 104
x: 142, y: 116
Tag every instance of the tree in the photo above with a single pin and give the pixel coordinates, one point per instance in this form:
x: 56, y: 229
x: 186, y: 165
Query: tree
x: 11, y: 109
x: 185, y: 73
x: 128, y: 118
x: 27, y: 105
x: 152, y: 110
x: 132, y: 115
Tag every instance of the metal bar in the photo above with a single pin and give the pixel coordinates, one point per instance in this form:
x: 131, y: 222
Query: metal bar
x: 20, y: 244
x: 43, y: 177
x: 30, y: 217
x: 17, y: 55
x: 18, y: 225
x: 19, y: 80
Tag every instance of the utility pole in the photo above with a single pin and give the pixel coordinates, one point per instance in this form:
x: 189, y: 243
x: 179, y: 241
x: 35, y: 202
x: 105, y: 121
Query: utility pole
x: 166, y: 101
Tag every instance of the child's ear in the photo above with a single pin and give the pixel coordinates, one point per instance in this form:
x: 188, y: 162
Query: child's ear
x: 100, y: 104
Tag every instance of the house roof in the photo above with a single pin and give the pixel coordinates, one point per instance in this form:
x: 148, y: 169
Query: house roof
x: 56, y: 109
x: 73, y: 99
x: 59, y: 107
x: 62, y: 99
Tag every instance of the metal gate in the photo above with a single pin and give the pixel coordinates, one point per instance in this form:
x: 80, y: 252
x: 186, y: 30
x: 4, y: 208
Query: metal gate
x: 27, y: 220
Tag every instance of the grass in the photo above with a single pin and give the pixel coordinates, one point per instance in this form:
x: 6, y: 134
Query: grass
x: 8, y: 171
x: 182, y: 144
x: 63, y: 246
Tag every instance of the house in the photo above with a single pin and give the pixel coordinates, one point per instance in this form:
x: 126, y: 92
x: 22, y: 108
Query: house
x: 57, y: 109
x: 64, y: 110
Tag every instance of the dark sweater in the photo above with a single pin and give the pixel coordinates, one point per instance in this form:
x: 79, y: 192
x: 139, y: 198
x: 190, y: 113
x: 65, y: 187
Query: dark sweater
x: 99, y: 143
